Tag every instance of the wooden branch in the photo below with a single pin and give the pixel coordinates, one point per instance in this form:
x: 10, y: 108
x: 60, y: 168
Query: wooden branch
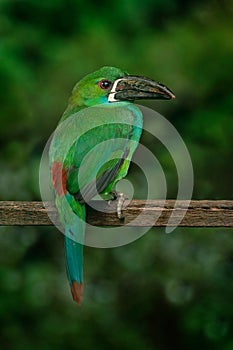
x: 203, y: 213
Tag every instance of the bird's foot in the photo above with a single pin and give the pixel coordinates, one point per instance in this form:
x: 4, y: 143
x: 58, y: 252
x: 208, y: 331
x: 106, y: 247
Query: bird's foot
x: 120, y: 198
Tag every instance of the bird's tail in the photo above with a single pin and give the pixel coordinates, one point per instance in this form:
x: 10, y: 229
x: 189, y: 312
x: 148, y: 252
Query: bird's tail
x: 74, y: 236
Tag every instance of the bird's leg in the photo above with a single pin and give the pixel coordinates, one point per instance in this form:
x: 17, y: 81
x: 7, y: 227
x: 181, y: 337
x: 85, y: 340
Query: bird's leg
x: 120, y: 198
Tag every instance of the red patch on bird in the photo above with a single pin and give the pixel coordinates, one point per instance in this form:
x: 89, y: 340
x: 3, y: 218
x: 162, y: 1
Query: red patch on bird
x: 59, y: 178
x: 77, y: 291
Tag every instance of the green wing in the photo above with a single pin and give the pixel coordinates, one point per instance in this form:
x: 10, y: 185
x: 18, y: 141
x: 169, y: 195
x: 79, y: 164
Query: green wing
x: 100, y: 141
x: 107, y: 175
x: 104, y: 161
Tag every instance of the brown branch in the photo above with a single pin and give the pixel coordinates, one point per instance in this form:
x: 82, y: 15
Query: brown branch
x: 203, y: 213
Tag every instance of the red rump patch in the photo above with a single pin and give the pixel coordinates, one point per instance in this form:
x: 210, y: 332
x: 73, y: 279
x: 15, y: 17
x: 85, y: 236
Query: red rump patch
x: 59, y: 178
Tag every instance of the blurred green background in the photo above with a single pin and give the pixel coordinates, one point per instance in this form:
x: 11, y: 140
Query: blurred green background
x: 163, y: 291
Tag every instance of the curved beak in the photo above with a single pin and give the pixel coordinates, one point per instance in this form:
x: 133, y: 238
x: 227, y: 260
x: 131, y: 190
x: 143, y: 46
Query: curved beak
x: 132, y: 88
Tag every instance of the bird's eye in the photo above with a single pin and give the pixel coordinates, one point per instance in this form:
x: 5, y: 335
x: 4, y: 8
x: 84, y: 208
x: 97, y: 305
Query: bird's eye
x: 105, y: 84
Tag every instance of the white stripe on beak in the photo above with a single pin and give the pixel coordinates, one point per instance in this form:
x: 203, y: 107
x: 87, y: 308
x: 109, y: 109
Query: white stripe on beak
x: 111, y: 96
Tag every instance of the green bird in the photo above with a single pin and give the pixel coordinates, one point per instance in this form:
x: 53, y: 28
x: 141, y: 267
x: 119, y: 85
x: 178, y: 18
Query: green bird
x: 91, y: 150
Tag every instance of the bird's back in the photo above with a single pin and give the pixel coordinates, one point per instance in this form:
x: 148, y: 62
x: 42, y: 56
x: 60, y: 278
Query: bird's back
x: 96, y: 144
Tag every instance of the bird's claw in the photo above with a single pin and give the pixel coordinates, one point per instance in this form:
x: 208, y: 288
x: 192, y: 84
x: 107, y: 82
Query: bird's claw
x: 120, y: 198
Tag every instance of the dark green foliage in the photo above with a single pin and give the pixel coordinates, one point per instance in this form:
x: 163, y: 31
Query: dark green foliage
x: 164, y: 291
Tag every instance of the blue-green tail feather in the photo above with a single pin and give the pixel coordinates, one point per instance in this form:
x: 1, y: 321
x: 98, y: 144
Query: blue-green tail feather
x: 73, y: 216
x: 74, y: 260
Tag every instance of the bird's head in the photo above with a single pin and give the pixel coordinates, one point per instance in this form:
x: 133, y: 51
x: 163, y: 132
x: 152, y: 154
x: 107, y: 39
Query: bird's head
x: 110, y: 84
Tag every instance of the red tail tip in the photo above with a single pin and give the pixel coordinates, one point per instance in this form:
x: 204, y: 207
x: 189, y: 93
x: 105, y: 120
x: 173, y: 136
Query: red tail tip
x: 77, y: 292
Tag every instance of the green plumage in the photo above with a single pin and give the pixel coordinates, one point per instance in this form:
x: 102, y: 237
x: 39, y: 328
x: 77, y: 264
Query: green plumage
x: 91, y: 150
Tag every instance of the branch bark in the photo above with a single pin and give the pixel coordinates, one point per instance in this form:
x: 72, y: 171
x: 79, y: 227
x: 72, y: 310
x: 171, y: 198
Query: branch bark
x: 203, y: 213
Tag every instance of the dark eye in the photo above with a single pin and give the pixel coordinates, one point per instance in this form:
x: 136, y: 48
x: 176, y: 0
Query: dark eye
x: 105, y: 84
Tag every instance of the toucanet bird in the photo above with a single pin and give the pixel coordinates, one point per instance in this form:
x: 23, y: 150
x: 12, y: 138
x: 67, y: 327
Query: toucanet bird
x: 85, y: 141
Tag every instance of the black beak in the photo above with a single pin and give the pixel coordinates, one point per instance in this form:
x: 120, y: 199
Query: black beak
x: 132, y: 88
